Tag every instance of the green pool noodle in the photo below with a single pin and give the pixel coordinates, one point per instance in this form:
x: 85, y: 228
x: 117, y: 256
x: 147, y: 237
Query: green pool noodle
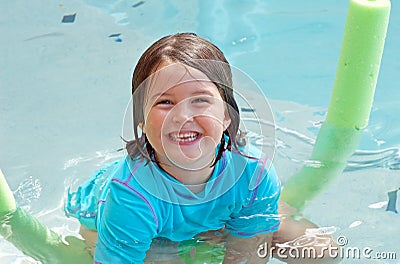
x: 35, y: 239
x: 7, y: 201
x: 350, y: 103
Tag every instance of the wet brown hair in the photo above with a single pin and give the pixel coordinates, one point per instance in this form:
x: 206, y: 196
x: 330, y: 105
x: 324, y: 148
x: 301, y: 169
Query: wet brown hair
x: 198, y: 53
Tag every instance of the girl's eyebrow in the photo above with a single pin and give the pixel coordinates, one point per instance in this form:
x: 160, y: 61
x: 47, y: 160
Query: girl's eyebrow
x: 158, y: 95
x: 197, y: 92
x: 201, y: 92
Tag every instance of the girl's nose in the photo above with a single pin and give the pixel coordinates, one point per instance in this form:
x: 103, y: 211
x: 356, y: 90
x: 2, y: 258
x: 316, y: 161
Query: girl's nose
x: 182, y: 113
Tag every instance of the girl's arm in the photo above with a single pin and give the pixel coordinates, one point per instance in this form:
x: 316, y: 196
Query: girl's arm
x: 292, y: 229
x: 260, y: 248
x: 252, y: 227
x: 126, y: 226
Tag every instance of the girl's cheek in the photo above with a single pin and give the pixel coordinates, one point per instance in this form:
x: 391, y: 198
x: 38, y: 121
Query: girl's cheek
x: 156, y: 114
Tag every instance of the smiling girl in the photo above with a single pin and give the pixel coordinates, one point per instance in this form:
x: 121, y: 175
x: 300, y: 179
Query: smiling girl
x: 185, y: 174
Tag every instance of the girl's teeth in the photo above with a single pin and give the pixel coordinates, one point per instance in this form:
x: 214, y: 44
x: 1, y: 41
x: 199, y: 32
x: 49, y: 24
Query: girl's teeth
x: 185, y: 137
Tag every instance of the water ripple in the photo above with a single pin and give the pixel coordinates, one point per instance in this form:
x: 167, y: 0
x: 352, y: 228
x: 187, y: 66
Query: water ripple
x: 387, y: 158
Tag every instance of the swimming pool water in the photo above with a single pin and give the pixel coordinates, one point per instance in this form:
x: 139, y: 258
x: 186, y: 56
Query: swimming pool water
x: 64, y: 88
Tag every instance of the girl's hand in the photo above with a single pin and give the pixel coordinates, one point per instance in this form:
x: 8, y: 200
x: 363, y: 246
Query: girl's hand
x: 293, y: 231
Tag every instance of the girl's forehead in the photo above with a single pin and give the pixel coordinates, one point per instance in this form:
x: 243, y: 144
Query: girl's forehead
x: 172, y: 75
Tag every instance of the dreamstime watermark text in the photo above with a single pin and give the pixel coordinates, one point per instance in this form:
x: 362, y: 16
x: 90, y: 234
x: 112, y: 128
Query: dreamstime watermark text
x: 342, y: 251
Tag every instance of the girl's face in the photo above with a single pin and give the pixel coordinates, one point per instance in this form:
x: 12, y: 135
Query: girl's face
x: 185, y: 117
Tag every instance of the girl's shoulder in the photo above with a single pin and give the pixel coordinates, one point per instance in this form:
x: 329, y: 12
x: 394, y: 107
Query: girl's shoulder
x: 249, y: 154
x: 125, y: 168
x: 251, y: 165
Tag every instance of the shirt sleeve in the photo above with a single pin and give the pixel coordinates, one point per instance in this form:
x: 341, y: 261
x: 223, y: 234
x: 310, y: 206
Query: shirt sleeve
x: 260, y: 214
x: 126, y: 226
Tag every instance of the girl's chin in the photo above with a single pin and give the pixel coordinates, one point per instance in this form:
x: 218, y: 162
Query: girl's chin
x: 184, y: 150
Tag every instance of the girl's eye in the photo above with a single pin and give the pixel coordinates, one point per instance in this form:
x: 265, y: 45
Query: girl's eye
x: 201, y: 100
x: 164, y: 102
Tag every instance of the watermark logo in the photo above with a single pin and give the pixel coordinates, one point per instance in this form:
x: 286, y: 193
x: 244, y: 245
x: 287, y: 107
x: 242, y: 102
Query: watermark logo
x: 320, y: 246
x: 347, y: 252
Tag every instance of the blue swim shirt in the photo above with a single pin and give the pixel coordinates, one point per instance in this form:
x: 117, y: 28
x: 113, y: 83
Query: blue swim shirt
x: 139, y: 202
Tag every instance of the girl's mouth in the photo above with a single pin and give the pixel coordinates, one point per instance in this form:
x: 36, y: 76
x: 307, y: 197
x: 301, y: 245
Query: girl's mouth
x: 184, y: 137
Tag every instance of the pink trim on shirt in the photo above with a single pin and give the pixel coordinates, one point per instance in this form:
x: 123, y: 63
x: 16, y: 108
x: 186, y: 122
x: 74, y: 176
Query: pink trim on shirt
x: 253, y: 195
